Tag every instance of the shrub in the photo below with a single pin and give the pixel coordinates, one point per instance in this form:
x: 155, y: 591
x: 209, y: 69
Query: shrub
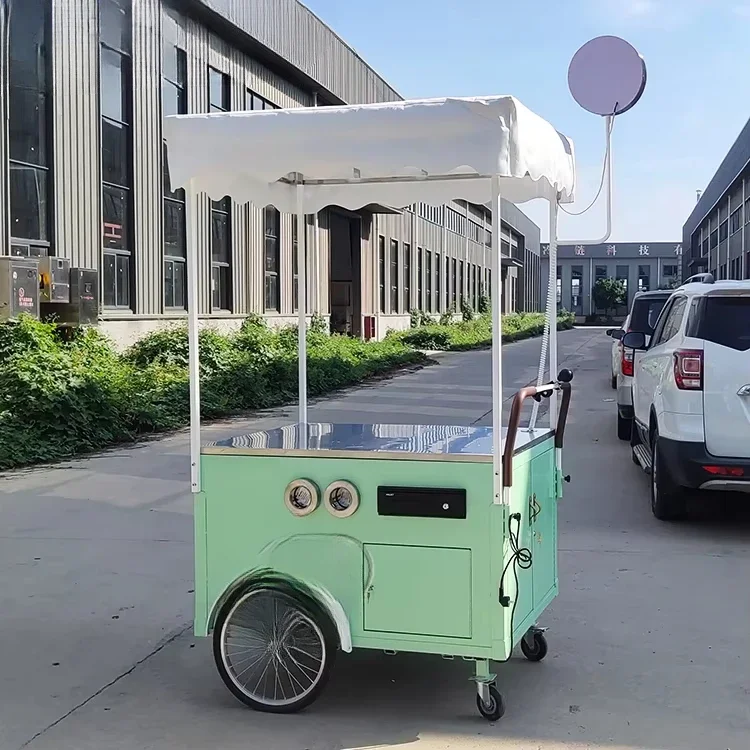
x: 467, y: 311
x: 477, y: 333
x: 62, y: 397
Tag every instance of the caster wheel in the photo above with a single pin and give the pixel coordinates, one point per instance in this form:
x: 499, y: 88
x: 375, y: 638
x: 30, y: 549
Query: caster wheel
x: 493, y: 710
x: 274, y: 651
x: 538, y: 650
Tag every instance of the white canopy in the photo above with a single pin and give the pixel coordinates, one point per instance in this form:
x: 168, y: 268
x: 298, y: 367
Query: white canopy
x: 396, y: 154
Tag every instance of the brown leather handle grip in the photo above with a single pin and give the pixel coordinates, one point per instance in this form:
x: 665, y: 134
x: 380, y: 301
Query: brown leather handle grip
x: 562, y: 416
x: 513, y: 424
x: 515, y: 421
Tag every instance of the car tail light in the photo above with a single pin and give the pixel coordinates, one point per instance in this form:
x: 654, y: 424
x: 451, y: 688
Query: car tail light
x: 725, y: 471
x: 626, y: 360
x: 688, y: 369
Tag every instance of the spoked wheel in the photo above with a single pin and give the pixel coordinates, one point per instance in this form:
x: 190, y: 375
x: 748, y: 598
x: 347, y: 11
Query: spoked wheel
x: 273, y: 651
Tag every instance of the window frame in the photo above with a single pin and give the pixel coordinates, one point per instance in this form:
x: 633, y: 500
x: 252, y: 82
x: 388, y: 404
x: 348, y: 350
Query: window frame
x: 175, y: 263
x: 121, y: 296
x: 394, y: 266
x: 269, y: 305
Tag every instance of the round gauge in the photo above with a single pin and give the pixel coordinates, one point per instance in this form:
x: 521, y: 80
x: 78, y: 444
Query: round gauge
x: 341, y: 498
x: 301, y: 497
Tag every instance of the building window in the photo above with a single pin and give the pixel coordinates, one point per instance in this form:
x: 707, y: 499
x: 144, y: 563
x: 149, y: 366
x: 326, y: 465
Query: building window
x: 394, y: 276
x: 407, y: 277
x: 221, y: 210
x: 723, y: 228
x: 438, y: 297
x: 221, y: 254
x: 670, y: 269
x: 461, y: 285
x: 174, y: 102
x: 447, y: 266
x: 218, y: 91
x: 381, y: 272
x: 747, y: 211
x: 271, y: 222
x: 419, y: 278
x: 256, y: 103
x: 735, y: 221
x: 29, y: 105
x: 600, y: 272
x: 295, y: 265
x: 644, y: 278
x: 428, y: 271
x: 714, y: 238
x: 455, y: 285
x: 576, y: 282
x: 115, y: 95
x: 622, y: 274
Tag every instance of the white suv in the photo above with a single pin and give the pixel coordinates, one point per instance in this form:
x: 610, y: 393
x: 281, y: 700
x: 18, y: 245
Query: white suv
x: 691, y: 394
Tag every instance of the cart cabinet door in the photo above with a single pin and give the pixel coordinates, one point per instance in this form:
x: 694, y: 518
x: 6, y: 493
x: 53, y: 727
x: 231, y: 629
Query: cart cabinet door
x: 418, y: 590
x: 543, y: 517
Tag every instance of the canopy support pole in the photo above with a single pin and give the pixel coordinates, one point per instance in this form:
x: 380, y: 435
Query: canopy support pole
x: 302, y: 310
x: 193, y: 347
x: 497, y: 362
x: 553, y: 213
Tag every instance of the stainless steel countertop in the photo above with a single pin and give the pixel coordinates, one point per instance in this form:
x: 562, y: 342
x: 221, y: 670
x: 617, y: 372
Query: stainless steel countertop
x: 413, y: 442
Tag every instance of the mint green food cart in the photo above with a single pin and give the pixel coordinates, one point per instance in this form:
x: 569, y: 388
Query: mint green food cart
x: 316, y: 538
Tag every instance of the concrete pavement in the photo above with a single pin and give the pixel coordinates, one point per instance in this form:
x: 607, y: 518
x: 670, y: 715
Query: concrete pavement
x: 649, y: 639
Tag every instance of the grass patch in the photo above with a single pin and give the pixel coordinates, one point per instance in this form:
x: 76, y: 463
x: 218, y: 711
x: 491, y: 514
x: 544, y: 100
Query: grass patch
x: 477, y: 333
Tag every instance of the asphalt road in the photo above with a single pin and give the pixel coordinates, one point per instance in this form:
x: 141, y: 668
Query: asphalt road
x: 649, y: 638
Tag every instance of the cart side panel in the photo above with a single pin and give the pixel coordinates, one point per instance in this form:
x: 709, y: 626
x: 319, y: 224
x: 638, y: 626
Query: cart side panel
x: 439, y: 602
x: 533, y: 496
x: 200, y: 622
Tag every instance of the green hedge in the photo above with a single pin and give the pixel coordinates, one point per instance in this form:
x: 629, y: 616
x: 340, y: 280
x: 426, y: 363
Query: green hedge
x: 61, y: 398
x: 477, y: 333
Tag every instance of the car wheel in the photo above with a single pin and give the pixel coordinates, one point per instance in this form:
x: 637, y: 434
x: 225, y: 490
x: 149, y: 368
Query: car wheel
x: 668, y: 502
x: 624, y: 427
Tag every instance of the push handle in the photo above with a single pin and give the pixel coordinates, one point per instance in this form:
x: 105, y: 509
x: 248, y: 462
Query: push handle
x: 537, y: 393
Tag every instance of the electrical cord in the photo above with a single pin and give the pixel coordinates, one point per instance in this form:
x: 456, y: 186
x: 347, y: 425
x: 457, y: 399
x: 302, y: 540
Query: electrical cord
x: 520, y: 559
x: 604, y: 172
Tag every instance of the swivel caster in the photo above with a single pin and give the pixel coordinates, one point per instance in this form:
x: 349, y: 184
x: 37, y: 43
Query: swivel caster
x: 534, y: 645
x: 491, y: 706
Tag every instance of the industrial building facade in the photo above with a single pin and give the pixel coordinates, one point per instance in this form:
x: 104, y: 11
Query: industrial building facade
x: 641, y: 266
x: 716, y: 235
x: 86, y: 177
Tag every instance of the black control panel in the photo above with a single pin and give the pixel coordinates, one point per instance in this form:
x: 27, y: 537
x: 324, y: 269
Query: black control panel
x: 421, y: 502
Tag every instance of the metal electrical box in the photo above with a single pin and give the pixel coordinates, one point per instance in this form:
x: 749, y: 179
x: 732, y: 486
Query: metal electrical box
x: 19, y: 287
x: 83, y: 307
x: 54, y: 280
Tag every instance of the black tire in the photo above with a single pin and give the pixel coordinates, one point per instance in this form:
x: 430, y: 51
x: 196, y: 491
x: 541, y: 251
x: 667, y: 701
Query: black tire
x: 624, y: 427
x: 306, y: 620
x: 538, y: 651
x: 668, y: 501
x: 614, y: 382
x: 495, y: 709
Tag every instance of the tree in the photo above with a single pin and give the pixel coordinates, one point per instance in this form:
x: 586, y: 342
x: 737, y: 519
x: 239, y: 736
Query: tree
x: 609, y: 294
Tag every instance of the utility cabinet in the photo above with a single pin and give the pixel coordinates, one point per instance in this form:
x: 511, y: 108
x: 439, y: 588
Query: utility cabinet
x: 19, y: 287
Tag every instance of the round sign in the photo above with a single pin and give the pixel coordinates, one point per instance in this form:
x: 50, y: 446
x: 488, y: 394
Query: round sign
x: 607, y: 76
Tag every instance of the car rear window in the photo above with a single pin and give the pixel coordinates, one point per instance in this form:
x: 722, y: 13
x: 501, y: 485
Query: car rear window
x: 724, y: 321
x: 645, y: 314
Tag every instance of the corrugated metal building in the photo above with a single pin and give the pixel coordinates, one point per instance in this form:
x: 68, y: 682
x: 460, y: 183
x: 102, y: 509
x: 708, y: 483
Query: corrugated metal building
x: 716, y: 235
x: 86, y: 172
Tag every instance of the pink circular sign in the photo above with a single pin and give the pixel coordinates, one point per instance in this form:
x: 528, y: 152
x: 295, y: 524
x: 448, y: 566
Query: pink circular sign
x: 607, y: 76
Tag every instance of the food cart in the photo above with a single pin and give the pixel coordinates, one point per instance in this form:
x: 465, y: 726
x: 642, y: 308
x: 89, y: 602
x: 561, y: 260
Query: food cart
x: 314, y: 538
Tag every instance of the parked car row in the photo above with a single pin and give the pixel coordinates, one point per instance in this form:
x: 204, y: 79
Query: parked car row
x: 683, y: 389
